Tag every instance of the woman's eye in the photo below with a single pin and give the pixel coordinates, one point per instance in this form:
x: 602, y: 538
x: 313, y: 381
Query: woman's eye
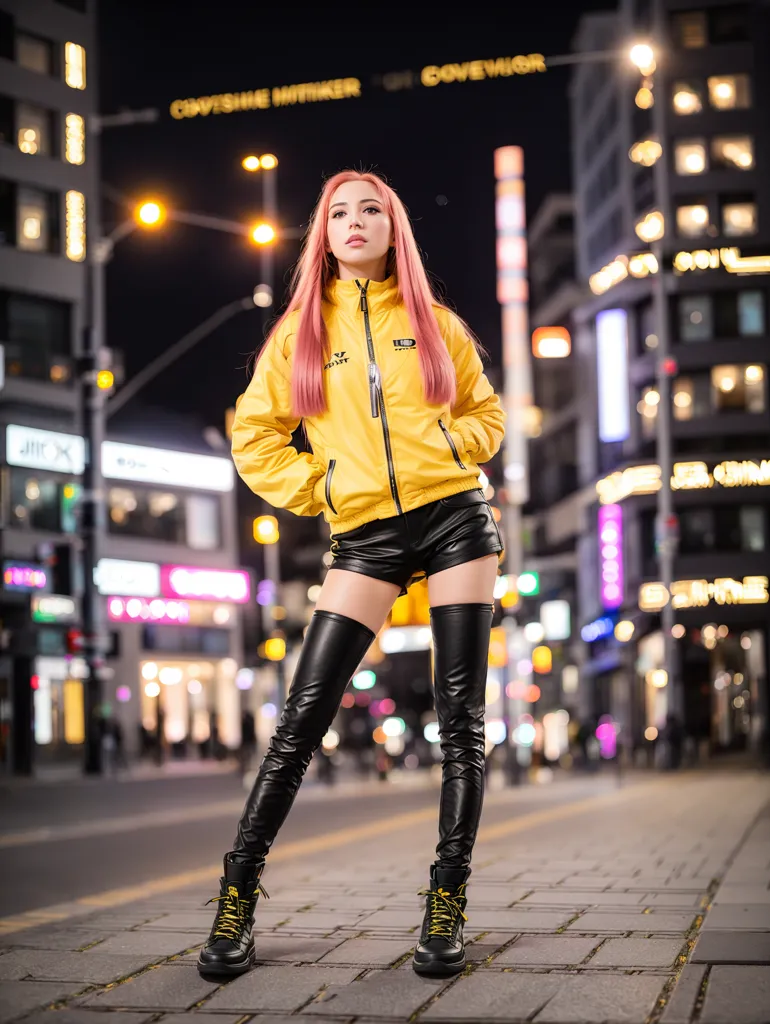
x: 372, y: 209
x: 337, y: 214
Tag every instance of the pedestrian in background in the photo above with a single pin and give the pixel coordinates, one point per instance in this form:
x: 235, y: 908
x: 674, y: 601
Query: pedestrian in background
x: 248, y: 740
x: 399, y: 414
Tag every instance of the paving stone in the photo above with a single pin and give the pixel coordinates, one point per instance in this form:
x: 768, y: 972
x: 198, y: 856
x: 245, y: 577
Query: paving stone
x: 385, y: 994
x: 519, y: 920
x: 495, y: 996
x: 18, y: 997
x: 681, y: 1001
x: 47, y: 938
x: 727, y: 917
x: 745, y: 894
x: 402, y: 919
x: 163, y: 988
x: 597, y: 922
x: 278, y: 988
x: 93, y: 1017
x: 369, y: 952
x: 573, y: 898
x: 599, y: 998
x: 152, y: 944
x: 737, y: 995
x: 198, y: 923
x: 637, y: 953
x: 324, y: 921
x: 495, y: 895
x: 43, y: 965
x: 676, y: 900
x: 293, y: 949
x: 184, y: 1018
x: 646, y: 884
x: 545, y: 951
x: 739, y: 947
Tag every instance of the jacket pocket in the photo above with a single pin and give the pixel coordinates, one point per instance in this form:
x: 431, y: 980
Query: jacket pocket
x: 452, y: 445
x: 329, y: 474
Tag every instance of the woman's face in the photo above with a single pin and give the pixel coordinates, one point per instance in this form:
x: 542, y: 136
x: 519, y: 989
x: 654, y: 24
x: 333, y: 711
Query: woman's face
x: 359, y: 230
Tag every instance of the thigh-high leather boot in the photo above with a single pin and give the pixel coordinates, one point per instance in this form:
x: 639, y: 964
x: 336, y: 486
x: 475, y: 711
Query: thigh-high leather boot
x: 334, y: 646
x: 460, y: 653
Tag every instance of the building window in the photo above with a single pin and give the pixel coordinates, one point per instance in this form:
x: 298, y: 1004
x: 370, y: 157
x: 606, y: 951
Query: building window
x: 738, y: 387
x: 7, y: 120
x: 739, y: 218
x: 75, y: 65
x: 38, y: 337
x: 729, y: 92
x: 74, y: 139
x: 690, y: 29
x: 687, y: 98
x: 729, y: 24
x: 751, y: 314
x: 33, y: 130
x: 690, y: 156
x: 34, y: 502
x: 75, y: 230
x: 692, y: 221
x: 696, y: 317
x: 683, y: 398
x: 191, y: 519
x: 733, y: 151
x: 202, y: 522
x: 752, y: 527
x: 36, y: 221
x: 34, y: 53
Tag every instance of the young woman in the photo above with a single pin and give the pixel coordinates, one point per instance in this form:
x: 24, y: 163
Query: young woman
x: 399, y: 414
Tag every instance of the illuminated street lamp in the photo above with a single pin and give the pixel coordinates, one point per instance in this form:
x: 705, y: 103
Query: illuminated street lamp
x: 250, y: 163
x: 262, y: 233
x: 551, y: 343
x: 266, y: 530
x: 643, y: 57
x: 150, y: 213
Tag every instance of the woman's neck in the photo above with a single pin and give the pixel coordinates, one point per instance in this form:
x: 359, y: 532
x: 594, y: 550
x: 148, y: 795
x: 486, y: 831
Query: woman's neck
x: 374, y: 271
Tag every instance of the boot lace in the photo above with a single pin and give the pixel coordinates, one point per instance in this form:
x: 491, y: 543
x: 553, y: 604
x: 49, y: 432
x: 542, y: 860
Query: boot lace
x: 231, y: 915
x: 443, y: 910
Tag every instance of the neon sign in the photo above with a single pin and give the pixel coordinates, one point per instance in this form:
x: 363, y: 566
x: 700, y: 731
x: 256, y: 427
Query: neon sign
x: 137, y: 609
x: 205, y: 584
x: 24, y: 576
x: 611, y: 554
x: 263, y: 99
x: 700, y: 593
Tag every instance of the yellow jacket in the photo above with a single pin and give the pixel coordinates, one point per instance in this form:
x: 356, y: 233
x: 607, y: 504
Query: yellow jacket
x: 379, y: 449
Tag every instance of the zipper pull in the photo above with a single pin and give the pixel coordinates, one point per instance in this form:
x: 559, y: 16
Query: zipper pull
x: 364, y: 306
x: 374, y: 386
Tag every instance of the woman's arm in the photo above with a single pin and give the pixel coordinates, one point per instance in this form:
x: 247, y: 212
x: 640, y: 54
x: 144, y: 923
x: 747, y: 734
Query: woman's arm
x: 479, y: 417
x: 261, y: 436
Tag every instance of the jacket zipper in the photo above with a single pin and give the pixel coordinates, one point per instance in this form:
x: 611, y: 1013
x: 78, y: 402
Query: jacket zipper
x: 376, y: 397
x: 329, y: 471
x: 452, y: 445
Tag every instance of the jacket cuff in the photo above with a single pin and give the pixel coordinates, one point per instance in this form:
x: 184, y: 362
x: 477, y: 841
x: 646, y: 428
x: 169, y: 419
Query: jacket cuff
x: 319, y: 489
x: 467, y: 440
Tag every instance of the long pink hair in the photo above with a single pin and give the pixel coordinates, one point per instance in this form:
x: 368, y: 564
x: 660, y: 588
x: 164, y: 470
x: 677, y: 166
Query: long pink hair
x: 316, y: 268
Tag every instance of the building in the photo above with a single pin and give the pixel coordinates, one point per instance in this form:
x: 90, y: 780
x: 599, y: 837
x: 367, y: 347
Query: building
x: 169, y: 575
x: 710, y: 88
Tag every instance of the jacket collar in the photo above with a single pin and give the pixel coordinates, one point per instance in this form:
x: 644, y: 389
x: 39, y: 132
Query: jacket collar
x: 347, y: 294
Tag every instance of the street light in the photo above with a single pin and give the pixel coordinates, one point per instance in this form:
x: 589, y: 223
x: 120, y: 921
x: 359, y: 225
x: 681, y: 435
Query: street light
x: 266, y: 532
x: 150, y: 213
x: 642, y: 56
x: 262, y: 233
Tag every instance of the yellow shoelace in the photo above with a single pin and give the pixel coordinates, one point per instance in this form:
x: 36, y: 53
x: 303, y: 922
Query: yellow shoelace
x: 444, y: 908
x: 233, y: 913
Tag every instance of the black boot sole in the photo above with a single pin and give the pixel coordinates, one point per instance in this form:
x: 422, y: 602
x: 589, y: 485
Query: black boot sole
x: 438, y: 968
x: 224, y: 970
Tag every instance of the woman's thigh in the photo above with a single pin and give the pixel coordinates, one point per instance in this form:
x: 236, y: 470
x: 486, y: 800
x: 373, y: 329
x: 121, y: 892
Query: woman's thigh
x: 360, y: 597
x: 468, y: 583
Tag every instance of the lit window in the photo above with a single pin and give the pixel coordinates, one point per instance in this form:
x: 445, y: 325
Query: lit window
x: 739, y: 388
x: 32, y: 227
x: 34, y: 54
x: 686, y: 98
x: 74, y: 66
x: 728, y: 92
x: 33, y: 130
x: 751, y: 314
x: 696, y: 319
x: 739, y: 218
x: 647, y: 408
x: 752, y: 525
x: 74, y: 139
x: 690, y: 156
x: 733, y: 151
x: 692, y: 221
x: 690, y: 29
x: 75, y: 242
x: 683, y: 393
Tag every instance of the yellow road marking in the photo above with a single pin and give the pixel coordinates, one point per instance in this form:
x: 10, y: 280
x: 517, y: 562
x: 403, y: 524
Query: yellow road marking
x: 305, y: 847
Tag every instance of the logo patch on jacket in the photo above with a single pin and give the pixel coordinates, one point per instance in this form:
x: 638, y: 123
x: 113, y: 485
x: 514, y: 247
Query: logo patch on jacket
x: 404, y: 343
x: 339, y: 357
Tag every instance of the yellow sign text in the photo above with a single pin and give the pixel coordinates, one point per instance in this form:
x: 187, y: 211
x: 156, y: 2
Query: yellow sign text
x: 478, y: 70
x: 700, y: 593
x: 263, y: 99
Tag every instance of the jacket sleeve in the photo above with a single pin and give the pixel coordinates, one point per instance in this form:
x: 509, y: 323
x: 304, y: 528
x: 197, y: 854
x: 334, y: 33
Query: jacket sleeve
x: 261, y: 436
x: 479, y: 418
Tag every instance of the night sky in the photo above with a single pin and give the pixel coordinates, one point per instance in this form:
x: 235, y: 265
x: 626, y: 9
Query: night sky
x: 428, y: 142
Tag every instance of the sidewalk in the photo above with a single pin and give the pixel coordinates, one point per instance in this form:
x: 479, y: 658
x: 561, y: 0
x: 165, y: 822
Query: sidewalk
x: 648, y: 904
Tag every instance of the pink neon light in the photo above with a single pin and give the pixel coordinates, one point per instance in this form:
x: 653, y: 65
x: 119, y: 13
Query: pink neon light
x: 25, y: 576
x: 205, y: 584
x: 137, y: 609
x: 611, y: 554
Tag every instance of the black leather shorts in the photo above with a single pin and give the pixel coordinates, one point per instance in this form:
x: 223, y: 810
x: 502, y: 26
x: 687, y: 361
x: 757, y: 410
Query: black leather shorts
x: 403, y: 549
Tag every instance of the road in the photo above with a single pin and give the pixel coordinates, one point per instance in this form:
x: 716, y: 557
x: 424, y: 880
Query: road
x: 73, y: 839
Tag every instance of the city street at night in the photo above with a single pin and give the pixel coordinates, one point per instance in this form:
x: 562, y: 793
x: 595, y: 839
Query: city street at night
x: 589, y: 902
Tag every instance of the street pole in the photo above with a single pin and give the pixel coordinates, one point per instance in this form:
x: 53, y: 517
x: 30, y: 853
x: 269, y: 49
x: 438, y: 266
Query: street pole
x: 92, y: 504
x: 267, y: 256
x: 666, y: 523
x: 272, y: 556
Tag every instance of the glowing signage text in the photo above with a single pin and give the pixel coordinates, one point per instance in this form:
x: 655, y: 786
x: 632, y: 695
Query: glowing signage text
x: 700, y: 593
x: 686, y: 476
x: 478, y: 70
x: 205, y: 584
x: 263, y: 99
x: 611, y: 555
